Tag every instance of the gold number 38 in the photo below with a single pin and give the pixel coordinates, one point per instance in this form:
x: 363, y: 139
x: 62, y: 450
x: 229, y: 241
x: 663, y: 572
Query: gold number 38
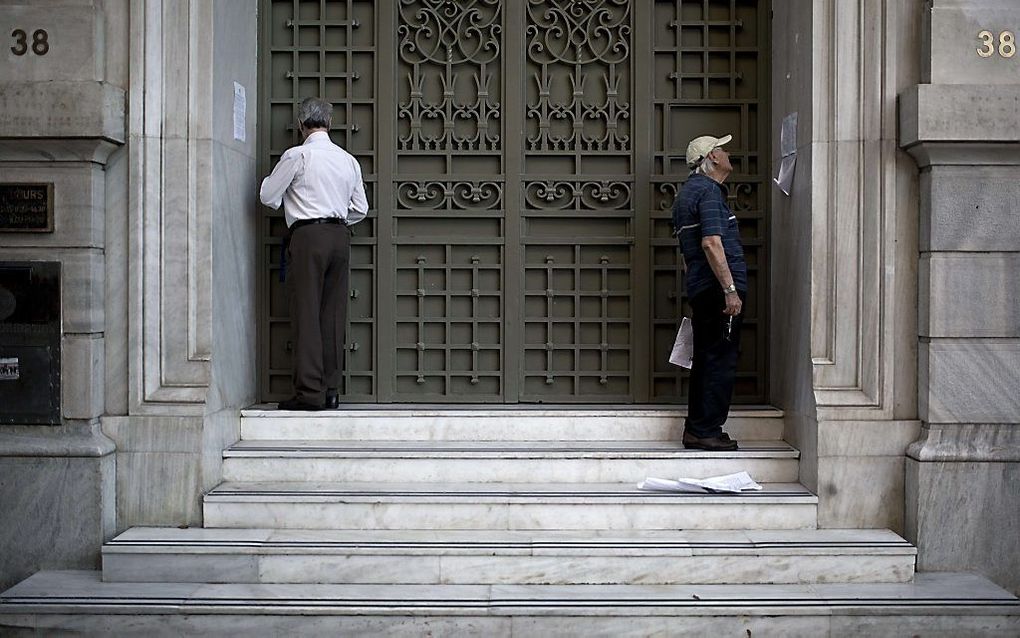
x: 1007, y: 45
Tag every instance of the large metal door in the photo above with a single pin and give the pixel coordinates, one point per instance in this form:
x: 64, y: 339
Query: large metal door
x: 521, y: 157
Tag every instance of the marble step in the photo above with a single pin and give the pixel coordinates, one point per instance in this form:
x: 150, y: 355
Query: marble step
x: 501, y: 506
x: 78, y: 602
x: 499, y: 461
x: 503, y: 558
x: 496, y: 423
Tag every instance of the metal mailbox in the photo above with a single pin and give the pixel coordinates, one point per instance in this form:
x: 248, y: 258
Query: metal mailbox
x: 29, y: 343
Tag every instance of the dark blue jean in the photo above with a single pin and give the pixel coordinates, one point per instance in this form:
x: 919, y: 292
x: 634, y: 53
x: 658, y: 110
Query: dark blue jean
x: 714, y: 369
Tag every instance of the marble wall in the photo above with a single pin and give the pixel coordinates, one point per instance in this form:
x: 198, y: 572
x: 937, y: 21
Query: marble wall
x: 960, y: 126
x: 790, y: 370
x: 131, y: 116
x: 234, y: 209
x: 844, y: 244
x: 62, y: 119
x: 189, y: 356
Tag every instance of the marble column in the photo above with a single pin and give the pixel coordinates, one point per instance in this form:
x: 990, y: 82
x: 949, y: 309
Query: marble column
x: 182, y: 363
x: 844, y: 252
x: 62, y: 121
x: 962, y: 125
x: 131, y: 113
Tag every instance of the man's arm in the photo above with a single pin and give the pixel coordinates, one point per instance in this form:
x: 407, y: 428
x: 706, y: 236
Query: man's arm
x: 358, y: 209
x: 274, y: 186
x: 712, y: 245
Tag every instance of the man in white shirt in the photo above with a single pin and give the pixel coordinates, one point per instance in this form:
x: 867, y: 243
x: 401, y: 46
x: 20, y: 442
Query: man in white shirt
x: 322, y: 192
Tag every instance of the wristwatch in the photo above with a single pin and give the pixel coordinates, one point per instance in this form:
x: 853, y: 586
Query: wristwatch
x: 730, y: 288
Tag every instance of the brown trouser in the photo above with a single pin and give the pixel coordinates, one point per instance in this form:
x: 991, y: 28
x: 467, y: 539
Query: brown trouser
x: 318, y: 283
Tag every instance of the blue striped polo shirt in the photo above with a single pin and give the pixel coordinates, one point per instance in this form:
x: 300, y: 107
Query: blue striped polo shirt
x: 699, y: 211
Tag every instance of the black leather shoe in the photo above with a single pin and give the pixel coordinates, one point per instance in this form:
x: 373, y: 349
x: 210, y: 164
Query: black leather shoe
x: 724, y: 436
x: 296, y: 404
x: 332, y: 400
x: 721, y: 443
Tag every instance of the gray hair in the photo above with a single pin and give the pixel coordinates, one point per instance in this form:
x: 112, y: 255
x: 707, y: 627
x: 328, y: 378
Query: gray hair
x: 315, y: 113
x: 705, y: 167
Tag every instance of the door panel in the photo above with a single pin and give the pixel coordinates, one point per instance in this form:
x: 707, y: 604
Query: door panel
x: 521, y: 159
x: 577, y: 217
x: 450, y: 213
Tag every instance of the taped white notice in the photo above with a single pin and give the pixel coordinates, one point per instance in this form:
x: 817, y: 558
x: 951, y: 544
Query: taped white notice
x: 788, y: 153
x: 240, y: 105
x: 785, y: 178
x: 683, y: 348
x: 788, y: 135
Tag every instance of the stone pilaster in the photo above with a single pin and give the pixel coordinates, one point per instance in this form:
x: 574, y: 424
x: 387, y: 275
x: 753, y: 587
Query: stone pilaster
x: 62, y: 120
x: 185, y: 355
x: 961, y: 125
x: 845, y: 258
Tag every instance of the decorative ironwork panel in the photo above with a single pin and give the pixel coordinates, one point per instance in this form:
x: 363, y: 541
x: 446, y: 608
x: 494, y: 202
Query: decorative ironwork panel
x: 523, y: 168
x: 710, y: 77
x: 579, y: 54
x: 447, y: 225
x: 577, y: 214
x: 450, y: 52
x: 449, y: 306
x: 327, y: 49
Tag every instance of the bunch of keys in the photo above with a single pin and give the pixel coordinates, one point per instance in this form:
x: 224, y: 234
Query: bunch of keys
x: 729, y: 327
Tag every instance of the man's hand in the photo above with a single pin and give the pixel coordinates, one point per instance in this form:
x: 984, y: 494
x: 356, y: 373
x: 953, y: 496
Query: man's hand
x: 733, y: 304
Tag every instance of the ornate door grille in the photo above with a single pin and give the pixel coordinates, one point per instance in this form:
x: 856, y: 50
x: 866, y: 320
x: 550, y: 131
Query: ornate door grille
x: 521, y: 158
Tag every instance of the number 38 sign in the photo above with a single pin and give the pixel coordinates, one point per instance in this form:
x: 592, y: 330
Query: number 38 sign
x: 39, y: 45
x: 1004, y: 44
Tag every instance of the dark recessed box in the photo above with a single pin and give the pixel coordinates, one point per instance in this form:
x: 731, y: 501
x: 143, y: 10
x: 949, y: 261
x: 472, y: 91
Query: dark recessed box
x: 29, y: 343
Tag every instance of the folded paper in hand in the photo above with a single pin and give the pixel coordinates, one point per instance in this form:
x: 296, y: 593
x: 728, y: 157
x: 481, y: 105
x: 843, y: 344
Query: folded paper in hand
x: 683, y: 348
x: 730, y: 483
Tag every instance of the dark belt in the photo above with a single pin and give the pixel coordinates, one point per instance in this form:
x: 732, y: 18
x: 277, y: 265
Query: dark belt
x: 308, y: 222
x: 290, y: 231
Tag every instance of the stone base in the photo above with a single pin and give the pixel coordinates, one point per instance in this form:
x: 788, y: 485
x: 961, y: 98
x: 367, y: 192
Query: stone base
x: 963, y: 505
x: 166, y: 463
x: 57, y: 499
x: 860, y: 473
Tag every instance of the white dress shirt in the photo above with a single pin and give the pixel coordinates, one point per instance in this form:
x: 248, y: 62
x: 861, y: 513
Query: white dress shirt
x: 316, y: 179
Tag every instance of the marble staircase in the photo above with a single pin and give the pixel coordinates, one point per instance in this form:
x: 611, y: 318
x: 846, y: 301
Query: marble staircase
x: 504, y: 521
x: 553, y: 557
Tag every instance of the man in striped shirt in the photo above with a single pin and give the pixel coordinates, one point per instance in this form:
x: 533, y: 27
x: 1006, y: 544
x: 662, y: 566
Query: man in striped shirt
x: 709, y: 238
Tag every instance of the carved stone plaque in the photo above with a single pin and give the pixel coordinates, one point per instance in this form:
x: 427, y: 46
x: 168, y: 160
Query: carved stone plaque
x: 26, y: 208
x: 972, y: 43
x: 41, y: 44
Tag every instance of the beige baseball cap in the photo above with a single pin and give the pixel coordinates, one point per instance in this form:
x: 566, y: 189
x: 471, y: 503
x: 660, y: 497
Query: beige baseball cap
x: 702, y: 146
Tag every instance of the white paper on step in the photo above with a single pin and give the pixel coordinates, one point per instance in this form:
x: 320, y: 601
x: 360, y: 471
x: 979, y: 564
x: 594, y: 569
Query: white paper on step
x: 683, y: 348
x: 729, y: 483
